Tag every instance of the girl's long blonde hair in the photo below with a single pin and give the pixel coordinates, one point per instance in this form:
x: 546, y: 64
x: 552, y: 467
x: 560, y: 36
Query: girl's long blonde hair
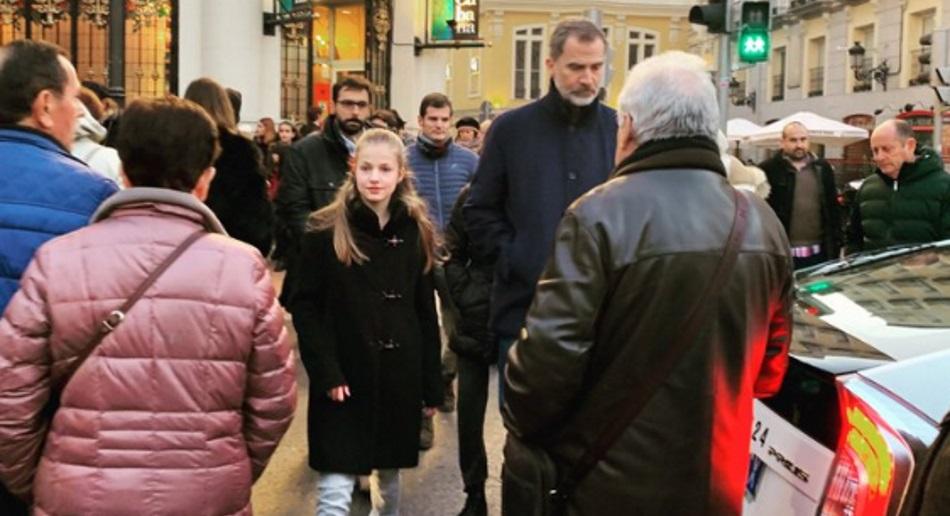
x: 334, y: 215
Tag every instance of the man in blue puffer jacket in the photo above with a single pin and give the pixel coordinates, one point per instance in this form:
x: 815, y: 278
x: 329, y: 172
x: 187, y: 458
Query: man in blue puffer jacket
x: 441, y: 169
x: 441, y: 166
x: 44, y: 191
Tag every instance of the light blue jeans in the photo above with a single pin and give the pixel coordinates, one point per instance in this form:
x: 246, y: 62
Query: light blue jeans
x: 335, y: 493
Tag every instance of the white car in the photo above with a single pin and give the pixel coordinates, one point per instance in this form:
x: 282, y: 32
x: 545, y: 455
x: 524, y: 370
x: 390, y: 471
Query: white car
x: 867, y: 386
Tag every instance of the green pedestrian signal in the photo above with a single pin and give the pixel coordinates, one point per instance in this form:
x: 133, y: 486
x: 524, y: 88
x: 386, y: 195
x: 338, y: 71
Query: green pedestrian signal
x: 754, y: 38
x: 754, y: 45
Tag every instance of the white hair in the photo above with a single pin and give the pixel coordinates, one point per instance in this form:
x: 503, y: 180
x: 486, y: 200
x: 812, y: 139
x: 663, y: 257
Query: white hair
x: 670, y: 95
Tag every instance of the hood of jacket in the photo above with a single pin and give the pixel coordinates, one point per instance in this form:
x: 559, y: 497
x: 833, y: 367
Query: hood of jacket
x: 164, y: 199
x: 90, y: 128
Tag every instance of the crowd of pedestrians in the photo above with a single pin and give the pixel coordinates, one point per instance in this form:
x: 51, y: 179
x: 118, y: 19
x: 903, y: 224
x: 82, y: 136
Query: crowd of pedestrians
x: 630, y: 279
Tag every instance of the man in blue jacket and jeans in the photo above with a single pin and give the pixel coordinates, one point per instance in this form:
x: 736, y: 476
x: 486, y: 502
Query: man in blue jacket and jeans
x: 536, y: 161
x: 441, y: 168
x: 44, y: 190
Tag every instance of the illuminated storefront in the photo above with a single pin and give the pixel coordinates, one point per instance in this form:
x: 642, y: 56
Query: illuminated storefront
x: 143, y: 60
x: 333, y: 43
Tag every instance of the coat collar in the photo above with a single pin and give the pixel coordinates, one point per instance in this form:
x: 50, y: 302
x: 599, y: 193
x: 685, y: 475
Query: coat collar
x: 927, y: 162
x: 364, y: 218
x: 28, y: 135
x: 693, y: 152
x: 160, y: 199
x: 567, y: 112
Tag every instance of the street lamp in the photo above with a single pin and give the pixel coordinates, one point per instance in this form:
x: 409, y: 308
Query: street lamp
x: 863, y: 72
x: 738, y: 97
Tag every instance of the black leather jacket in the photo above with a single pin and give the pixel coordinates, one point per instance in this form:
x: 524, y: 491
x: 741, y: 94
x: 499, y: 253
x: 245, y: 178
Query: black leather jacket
x: 629, y: 258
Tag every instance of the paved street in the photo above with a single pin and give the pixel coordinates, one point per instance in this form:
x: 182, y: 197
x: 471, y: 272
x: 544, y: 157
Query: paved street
x: 434, y: 488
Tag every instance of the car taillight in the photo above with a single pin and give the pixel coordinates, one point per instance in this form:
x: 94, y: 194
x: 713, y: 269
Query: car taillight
x: 871, y: 455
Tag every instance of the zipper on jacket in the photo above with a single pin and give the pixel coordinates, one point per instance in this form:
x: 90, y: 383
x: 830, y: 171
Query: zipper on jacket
x: 895, y: 185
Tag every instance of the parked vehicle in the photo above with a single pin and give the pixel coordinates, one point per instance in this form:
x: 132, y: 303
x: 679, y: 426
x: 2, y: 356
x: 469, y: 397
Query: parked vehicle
x: 867, y: 386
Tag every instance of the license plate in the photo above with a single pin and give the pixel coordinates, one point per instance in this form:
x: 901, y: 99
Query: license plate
x: 756, y: 468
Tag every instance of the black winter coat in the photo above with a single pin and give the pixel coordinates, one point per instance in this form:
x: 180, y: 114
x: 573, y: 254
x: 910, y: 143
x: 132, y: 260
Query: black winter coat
x: 470, y: 279
x: 238, y: 193
x: 310, y: 174
x: 629, y: 260
x: 537, y: 159
x: 372, y: 327
x: 781, y: 176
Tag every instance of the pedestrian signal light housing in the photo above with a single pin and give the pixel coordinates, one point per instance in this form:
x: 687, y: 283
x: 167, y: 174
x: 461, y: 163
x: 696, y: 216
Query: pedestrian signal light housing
x: 754, y: 41
x: 713, y: 16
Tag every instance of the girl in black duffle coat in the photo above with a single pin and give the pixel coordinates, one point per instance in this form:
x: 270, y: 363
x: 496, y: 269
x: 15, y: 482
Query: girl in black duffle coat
x: 368, y: 332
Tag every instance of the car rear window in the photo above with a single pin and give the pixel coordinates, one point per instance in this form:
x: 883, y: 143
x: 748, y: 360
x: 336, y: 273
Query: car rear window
x: 909, y: 291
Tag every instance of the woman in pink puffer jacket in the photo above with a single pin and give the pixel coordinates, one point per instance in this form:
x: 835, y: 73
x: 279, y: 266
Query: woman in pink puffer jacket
x: 178, y: 410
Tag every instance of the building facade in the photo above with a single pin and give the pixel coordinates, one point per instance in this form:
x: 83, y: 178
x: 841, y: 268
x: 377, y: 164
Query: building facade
x: 509, y: 70
x: 840, y: 59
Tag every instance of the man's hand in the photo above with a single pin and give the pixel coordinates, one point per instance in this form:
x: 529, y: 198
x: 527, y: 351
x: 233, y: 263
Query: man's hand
x: 339, y: 394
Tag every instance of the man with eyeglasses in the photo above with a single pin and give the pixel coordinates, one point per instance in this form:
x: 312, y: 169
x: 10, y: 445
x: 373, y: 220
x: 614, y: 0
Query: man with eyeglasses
x: 314, y: 168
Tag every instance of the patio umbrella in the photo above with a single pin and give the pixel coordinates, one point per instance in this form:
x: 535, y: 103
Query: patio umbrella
x: 820, y: 130
x: 739, y: 129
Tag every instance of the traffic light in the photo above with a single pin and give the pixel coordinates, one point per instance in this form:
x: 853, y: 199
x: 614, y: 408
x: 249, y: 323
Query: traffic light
x: 923, y: 61
x: 754, y: 39
x: 712, y: 15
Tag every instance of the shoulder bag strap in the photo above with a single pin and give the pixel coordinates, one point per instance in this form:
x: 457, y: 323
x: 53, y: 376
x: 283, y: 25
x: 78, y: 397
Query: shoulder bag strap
x: 116, y: 317
x: 639, y: 397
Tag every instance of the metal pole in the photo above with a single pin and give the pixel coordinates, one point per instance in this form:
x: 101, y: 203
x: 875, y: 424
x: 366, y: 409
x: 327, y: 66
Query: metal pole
x: 117, y: 50
x: 725, y: 68
x: 938, y: 58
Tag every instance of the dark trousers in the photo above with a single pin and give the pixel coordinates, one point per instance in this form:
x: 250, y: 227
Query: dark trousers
x: 472, y: 402
x: 449, y: 320
x: 504, y: 344
x: 815, y: 259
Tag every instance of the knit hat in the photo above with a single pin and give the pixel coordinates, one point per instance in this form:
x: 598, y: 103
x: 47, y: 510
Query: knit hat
x: 468, y: 122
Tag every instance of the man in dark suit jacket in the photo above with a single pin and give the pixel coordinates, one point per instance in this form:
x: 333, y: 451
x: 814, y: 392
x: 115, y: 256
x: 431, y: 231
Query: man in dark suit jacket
x: 536, y: 160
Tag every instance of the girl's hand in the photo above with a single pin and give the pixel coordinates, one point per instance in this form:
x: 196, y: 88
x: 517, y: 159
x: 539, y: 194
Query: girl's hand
x: 428, y: 411
x: 339, y: 394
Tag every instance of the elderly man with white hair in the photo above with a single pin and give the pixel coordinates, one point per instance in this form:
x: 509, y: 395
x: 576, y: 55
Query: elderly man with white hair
x: 663, y: 311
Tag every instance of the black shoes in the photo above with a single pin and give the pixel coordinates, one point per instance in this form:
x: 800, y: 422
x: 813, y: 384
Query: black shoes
x: 475, y: 505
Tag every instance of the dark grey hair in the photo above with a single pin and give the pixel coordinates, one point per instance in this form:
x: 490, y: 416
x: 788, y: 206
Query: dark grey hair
x: 583, y: 30
x: 670, y: 96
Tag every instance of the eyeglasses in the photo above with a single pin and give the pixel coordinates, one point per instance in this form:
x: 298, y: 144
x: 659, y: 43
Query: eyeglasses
x: 351, y: 104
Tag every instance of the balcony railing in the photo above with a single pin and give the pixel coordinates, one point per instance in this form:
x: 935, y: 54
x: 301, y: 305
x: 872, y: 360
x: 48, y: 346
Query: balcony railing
x: 778, y: 87
x: 809, y: 8
x: 816, y: 81
x: 863, y: 85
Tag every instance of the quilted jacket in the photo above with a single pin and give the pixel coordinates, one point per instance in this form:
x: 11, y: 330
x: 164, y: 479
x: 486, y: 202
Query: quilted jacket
x: 178, y: 410
x: 439, y: 179
x: 44, y: 192
x: 913, y: 209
